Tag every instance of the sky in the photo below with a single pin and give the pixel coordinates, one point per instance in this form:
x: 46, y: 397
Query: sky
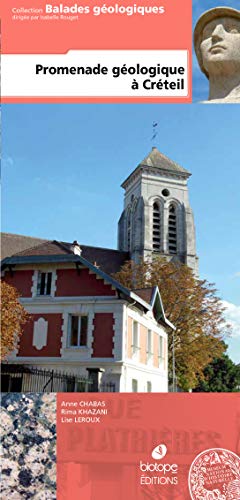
x: 200, y: 81
x: 63, y: 166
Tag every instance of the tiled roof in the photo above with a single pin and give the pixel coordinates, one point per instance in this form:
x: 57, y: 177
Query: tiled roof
x: 159, y: 160
x: 46, y: 248
x: 15, y: 243
x: 144, y: 293
x: 109, y: 260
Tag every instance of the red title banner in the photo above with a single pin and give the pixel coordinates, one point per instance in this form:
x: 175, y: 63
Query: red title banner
x: 74, y: 38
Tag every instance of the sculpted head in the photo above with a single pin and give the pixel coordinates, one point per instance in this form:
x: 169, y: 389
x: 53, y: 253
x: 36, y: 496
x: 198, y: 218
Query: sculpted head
x: 217, y: 41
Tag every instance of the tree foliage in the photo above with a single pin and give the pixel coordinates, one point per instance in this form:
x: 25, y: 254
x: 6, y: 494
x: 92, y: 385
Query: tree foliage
x: 221, y: 375
x: 13, y: 317
x: 192, y: 306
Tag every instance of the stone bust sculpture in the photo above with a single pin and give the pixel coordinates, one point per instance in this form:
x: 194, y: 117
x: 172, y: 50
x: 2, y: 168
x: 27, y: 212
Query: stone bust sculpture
x: 217, y: 46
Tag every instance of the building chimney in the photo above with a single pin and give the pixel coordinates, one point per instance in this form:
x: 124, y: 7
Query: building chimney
x: 75, y: 248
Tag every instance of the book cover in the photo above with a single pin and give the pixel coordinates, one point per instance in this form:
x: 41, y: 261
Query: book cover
x: 120, y: 318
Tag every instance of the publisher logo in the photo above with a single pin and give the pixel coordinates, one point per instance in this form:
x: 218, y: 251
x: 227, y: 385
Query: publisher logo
x: 159, y: 452
x: 215, y: 473
x: 155, y: 473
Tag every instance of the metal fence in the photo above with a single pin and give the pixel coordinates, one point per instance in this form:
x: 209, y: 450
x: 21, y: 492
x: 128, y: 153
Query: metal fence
x: 20, y: 378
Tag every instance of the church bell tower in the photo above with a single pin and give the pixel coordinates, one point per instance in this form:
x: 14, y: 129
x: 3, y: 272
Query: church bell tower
x: 157, y: 217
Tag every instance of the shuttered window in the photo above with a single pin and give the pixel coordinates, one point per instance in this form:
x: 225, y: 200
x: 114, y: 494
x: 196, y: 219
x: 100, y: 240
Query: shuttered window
x: 172, y: 229
x: 156, y: 227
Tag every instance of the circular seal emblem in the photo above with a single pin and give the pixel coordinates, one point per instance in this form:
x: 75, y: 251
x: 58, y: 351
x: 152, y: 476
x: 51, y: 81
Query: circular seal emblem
x: 215, y: 475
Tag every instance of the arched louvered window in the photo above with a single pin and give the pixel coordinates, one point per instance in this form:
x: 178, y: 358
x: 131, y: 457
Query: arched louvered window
x: 129, y: 228
x: 156, y: 232
x: 172, y: 229
x: 133, y: 225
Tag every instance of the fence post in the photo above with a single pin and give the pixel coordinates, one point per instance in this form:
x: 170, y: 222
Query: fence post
x: 52, y: 381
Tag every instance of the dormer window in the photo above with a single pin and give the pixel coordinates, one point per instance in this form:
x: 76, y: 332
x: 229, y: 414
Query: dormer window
x: 44, y: 283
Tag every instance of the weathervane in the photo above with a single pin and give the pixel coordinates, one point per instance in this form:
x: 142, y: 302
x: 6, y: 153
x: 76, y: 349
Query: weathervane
x: 154, y: 132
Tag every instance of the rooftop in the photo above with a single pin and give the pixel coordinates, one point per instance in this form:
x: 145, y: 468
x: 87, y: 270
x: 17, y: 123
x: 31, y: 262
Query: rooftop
x: 107, y: 259
x: 156, y: 159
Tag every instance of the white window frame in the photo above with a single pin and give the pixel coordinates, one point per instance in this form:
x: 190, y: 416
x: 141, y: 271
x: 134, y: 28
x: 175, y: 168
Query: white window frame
x: 39, y: 276
x: 134, y: 382
x: 149, y: 346
x: 149, y: 386
x: 135, y: 345
x: 78, y: 346
x: 161, y: 351
x: 36, y: 280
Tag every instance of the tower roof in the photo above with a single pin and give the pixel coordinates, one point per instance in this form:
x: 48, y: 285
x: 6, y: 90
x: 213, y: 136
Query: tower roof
x: 158, y: 160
